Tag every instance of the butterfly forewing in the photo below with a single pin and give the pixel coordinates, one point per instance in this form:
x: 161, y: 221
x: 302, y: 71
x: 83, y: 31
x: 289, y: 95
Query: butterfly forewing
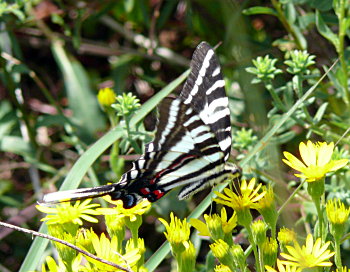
x: 204, y: 90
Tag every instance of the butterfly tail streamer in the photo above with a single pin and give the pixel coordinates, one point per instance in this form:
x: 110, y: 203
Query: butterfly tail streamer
x: 78, y: 194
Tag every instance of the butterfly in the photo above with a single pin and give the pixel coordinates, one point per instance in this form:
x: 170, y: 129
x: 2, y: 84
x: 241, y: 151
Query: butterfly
x: 191, y: 146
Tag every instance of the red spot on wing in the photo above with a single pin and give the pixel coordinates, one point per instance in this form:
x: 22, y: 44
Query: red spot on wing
x: 145, y: 191
x: 158, y: 193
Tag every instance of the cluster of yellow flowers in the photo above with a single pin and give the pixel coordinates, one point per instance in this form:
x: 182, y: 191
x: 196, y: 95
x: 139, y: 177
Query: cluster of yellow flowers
x: 64, y: 221
x: 315, y: 254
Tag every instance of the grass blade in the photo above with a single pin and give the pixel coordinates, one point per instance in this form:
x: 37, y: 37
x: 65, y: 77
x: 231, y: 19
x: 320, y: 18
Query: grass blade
x: 82, y: 100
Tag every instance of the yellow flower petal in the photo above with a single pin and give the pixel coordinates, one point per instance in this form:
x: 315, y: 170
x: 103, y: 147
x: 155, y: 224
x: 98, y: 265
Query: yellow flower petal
x: 200, y: 226
x: 293, y: 162
x: 325, y: 153
x: 307, y: 153
x: 335, y: 165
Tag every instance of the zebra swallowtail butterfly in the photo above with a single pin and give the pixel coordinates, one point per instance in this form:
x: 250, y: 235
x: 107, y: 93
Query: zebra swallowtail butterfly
x: 190, y: 148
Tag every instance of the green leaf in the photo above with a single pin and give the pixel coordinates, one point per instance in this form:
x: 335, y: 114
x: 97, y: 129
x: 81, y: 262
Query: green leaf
x: 259, y: 10
x: 16, y: 145
x: 306, y: 20
x: 320, y: 112
x: 300, y: 36
x: 36, y: 252
x: 321, y: 5
x: 283, y: 138
x: 325, y: 31
x: 82, y: 100
x: 129, y: 5
x: 5, y: 186
x: 346, y: 23
x: 50, y: 120
x: 8, y: 118
x: 20, y: 68
x: 290, y: 13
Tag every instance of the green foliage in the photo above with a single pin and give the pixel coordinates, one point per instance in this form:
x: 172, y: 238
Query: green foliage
x: 16, y: 8
x: 264, y: 69
x: 299, y: 63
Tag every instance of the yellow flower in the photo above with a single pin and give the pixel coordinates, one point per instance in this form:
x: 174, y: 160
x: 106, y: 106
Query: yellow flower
x: 269, y: 250
x: 177, y: 232
x: 120, y: 212
x: 106, y: 97
x: 139, y: 244
x: 107, y: 249
x: 222, y: 268
x: 316, y: 161
x: 267, y: 208
x: 188, y: 257
x: 226, y: 226
x: 268, y: 201
x: 245, y: 200
x: 53, y: 266
x: 67, y: 213
x: 239, y: 257
x: 336, y: 212
x: 66, y: 253
x: 82, y: 239
x: 309, y: 255
x: 283, y: 268
x: 286, y: 236
x: 229, y: 225
x: 343, y: 269
x: 259, y: 229
x: 221, y: 250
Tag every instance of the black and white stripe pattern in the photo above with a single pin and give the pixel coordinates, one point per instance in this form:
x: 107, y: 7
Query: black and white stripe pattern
x: 191, y: 145
x: 204, y: 90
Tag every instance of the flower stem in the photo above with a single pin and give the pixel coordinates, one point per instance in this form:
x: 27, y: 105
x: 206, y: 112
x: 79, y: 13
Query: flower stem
x: 128, y: 131
x: 275, y: 97
x: 317, y: 202
x: 258, y: 263
x: 298, y: 87
x: 290, y: 198
x: 337, y: 257
x: 261, y: 260
x: 281, y: 16
x: 340, y: 49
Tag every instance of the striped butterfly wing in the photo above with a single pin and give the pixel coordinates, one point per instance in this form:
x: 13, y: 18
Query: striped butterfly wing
x: 204, y: 91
